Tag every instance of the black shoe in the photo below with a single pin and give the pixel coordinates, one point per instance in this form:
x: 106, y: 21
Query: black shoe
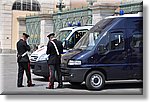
x: 20, y: 86
x: 49, y: 87
x: 30, y: 85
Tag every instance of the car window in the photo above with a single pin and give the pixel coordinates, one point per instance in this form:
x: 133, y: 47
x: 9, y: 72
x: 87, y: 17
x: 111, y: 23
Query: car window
x: 136, y: 40
x: 116, y: 41
x: 77, y: 35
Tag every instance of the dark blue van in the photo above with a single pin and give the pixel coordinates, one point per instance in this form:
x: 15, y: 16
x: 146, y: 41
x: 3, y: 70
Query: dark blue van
x: 111, y: 50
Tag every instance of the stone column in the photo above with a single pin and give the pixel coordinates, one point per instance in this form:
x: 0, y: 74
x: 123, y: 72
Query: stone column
x: 101, y: 11
x: 46, y: 28
x: 5, y: 26
x: 22, y: 26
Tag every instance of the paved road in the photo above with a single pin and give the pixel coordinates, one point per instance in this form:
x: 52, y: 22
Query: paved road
x: 9, y: 76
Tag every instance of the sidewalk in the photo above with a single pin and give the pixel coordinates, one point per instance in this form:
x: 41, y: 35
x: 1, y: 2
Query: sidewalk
x: 7, y: 52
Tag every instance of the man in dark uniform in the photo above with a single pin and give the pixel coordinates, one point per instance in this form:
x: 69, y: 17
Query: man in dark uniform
x: 23, y: 61
x: 54, y: 50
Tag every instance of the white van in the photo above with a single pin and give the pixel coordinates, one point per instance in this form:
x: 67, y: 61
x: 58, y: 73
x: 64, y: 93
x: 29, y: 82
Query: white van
x: 69, y: 36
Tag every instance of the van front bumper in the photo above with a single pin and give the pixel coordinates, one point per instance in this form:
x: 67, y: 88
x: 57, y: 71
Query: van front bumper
x: 74, y: 74
x: 32, y: 65
x: 41, y: 69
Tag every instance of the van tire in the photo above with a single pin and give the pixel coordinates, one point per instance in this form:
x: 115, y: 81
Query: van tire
x: 95, y: 80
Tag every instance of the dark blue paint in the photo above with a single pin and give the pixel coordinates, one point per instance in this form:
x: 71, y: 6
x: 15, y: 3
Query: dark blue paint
x: 126, y: 63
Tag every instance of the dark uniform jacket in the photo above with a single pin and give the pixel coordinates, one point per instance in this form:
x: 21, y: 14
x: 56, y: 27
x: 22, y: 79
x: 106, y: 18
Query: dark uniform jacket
x: 53, y: 57
x: 22, y: 47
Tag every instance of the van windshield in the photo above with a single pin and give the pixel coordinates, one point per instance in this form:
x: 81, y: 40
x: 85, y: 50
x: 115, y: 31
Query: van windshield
x: 62, y: 35
x: 89, y: 40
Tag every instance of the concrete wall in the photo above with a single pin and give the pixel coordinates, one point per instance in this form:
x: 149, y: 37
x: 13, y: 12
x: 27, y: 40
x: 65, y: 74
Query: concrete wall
x: 101, y: 11
x: 9, y: 24
x: 5, y: 26
x: 15, y: 25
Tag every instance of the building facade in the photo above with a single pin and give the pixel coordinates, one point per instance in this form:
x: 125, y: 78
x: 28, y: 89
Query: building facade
x: 14, y: 11
x: 10, y: 12
x: 14, y: 14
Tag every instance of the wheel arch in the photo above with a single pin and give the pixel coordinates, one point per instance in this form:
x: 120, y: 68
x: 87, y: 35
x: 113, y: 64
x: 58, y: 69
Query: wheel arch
x: 96, y: 69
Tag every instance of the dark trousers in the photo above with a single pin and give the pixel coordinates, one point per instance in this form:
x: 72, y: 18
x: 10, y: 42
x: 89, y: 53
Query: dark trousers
x: 52, y: 69
x: 23, y: 66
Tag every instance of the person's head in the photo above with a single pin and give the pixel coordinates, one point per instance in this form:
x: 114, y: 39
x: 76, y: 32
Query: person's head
x: 51, y: 36
x: 25, y: 36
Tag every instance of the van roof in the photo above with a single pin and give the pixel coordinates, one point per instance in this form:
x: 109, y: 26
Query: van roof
x: 76, y: 28
x: 139, y: 14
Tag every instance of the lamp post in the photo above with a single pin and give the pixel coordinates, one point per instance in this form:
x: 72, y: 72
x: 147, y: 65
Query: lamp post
x: 91, y: 2
x: 60, y: 5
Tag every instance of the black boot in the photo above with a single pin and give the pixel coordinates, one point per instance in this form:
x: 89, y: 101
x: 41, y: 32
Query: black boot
x: 50, y: 87
x: 30, y: 84
x: 20, y: 86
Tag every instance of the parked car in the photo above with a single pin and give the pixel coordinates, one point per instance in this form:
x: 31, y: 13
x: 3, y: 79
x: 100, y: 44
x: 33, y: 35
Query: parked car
x: 69, y: 36
x: 111, y: 50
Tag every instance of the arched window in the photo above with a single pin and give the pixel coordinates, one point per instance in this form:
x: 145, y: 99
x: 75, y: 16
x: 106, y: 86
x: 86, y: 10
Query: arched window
x: 26, y: 5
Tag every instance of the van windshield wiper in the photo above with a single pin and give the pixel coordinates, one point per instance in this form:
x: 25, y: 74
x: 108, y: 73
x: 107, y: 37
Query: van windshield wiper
x: 78, y: 49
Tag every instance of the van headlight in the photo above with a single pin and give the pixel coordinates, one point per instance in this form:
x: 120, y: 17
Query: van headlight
x: 74, y: 62
x: 43, y: 57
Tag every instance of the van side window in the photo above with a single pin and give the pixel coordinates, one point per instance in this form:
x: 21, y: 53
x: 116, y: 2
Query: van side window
x: 103, y: 45
x: 116, y: 41
x: 137, y: 41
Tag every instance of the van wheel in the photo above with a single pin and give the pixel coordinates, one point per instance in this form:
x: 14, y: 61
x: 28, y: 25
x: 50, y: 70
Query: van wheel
x: 95, y: 80
x: 75, y: 83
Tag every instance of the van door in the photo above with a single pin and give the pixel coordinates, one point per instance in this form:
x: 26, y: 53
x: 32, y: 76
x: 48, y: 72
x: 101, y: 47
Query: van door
x: 114, y: 57
x: 135, y: 43
x: 136, y: 55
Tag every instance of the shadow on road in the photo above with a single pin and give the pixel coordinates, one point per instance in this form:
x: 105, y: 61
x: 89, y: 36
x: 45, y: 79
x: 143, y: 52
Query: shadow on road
x: 123, y: 85
x: 79, y: 87
x: 107, y: 86
x: 40, y: 79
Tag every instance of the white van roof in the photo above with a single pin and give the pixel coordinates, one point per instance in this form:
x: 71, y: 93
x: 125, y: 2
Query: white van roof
x: 139, y: 14
x: 76, y: 28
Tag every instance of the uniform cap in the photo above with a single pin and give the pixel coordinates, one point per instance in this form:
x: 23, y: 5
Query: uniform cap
x: 51, y: 34
x: 26, y: 35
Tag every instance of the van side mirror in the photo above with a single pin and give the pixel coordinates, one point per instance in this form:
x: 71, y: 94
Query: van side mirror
x: 101, y: 49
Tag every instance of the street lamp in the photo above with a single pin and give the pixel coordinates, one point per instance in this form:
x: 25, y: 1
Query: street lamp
x: 60, y: 5
x: 91, y: 2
